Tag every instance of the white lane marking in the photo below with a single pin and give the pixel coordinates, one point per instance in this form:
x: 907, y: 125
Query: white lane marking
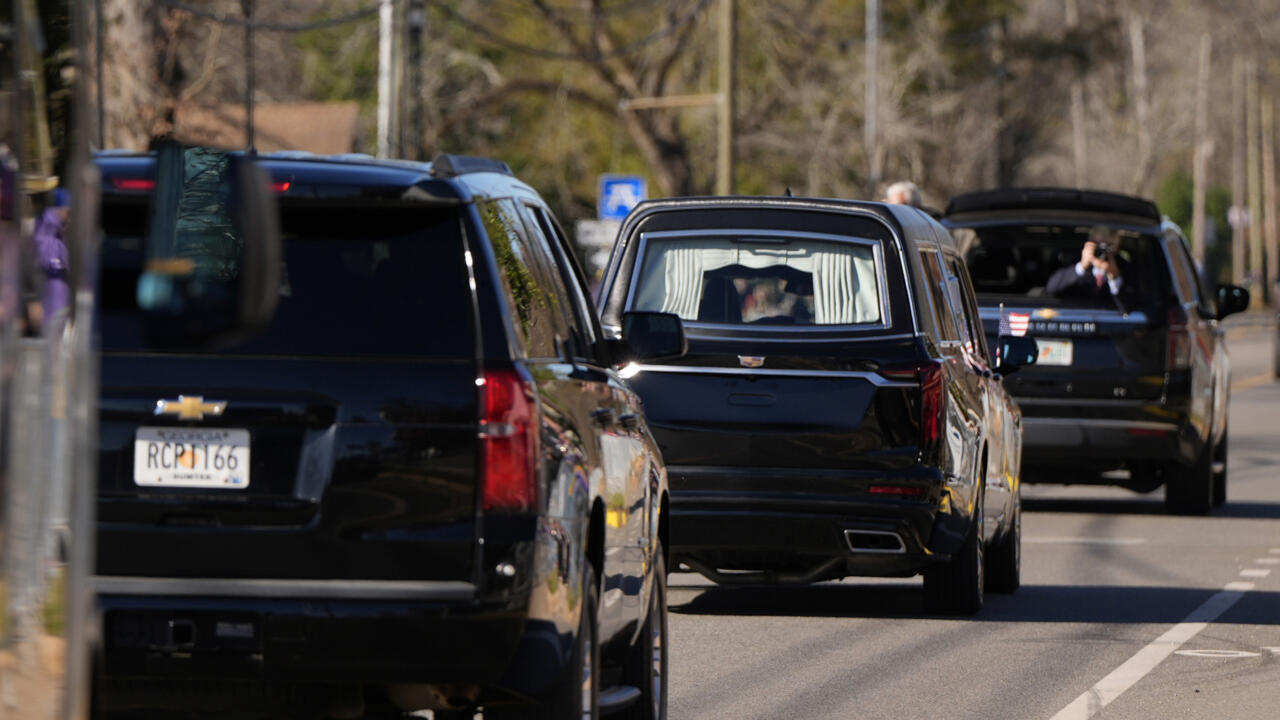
x: 1218, y: 653
x: 1273, y: 650
x: 1255, y: 572
x: 1145, y: 660
x: 1064, y: 540
x: 1268, y: 561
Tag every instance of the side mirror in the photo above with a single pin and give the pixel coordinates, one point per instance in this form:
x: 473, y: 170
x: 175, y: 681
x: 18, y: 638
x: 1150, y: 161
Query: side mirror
x: 1231, y: 300
x: 650, y: 336
x: 212, y: 250
x: 1016, y: 353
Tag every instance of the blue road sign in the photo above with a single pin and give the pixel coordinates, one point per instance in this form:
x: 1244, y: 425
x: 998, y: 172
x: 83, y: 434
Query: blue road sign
x: 620, y: 193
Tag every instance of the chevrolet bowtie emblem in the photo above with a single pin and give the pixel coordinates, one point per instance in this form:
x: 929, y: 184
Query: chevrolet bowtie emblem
x: 189, y: 408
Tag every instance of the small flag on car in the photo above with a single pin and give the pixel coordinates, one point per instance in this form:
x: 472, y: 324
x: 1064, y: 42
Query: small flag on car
x: 1018, y: 323
x: 1005, y: 328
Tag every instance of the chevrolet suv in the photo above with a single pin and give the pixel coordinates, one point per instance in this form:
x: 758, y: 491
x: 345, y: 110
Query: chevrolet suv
x: 423, y: 486
x: 1132, y: 381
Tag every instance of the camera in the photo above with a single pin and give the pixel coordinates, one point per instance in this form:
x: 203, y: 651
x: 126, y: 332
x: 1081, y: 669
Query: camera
x: 1103, y: 251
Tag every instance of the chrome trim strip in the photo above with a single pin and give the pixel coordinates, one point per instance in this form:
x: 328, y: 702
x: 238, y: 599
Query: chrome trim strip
x: 1095, y: 423
x: 901, y: 549
x: 877, y: 249
x: 869, y: 338
x: 286, y: 589
x: 870, y: 377
x: 1069, y: 315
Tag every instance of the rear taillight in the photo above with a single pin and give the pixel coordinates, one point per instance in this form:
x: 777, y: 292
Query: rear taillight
x: 508, y: 446
x: 932, y: 387
x: 1179, y: 341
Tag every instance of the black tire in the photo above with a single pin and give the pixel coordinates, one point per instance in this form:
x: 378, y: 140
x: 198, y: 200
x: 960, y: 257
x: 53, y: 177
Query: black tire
x: 1004, y: 560
x: 1220, y: 471
x: 955, y: 588
x: 577, y: 694
x: 648, y: 661
x: 1188, y: 490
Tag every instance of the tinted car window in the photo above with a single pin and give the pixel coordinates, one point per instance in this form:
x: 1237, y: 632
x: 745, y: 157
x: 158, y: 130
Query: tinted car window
x: 761, y: 280
x: 524, y: 281
x: 581, y: 306
x: 939, y: 290
x: 1185, y: 276
x: 969, y: 309
x: 355, y: 282
x: 1013, y: 263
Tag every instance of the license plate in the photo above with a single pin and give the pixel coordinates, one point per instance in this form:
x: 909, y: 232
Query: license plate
x: 1054, y: 352
x: 214, y: 458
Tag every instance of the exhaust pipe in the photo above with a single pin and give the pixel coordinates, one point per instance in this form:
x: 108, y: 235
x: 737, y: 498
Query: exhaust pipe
x: 875, y: 541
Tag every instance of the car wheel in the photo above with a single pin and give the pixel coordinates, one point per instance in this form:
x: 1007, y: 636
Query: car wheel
x: 1220, y: 471
x: 955, y: 587
x: 1189, y: 490
x: 1004, y: 561
x: 646, y: 667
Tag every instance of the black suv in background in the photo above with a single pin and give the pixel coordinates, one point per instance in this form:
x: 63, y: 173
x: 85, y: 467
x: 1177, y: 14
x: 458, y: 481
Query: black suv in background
x: 838, y: 412
x: 423, y: 486
x: 1133, y: 374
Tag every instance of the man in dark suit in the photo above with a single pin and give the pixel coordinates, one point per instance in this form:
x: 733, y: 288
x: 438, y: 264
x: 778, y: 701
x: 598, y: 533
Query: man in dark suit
x: 1099, y: 275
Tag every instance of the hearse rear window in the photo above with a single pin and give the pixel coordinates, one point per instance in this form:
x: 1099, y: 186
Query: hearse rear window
x: 761, y: 280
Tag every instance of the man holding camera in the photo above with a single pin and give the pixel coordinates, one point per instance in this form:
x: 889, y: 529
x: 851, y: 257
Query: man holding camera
x: 1098, y: 276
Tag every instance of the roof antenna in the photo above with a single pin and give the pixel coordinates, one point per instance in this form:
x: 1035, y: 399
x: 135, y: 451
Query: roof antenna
x: 789, y: 191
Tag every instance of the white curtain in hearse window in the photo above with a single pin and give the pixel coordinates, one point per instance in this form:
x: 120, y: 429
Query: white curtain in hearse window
x: 844, y: 288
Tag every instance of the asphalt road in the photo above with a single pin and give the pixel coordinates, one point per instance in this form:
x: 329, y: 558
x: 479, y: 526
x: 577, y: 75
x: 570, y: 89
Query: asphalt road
x: 1124, y: 612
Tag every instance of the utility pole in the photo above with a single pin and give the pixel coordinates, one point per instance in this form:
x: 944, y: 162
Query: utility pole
x: 725, y: 155
x: 1203, y: 148
x: 871, y: 113
x: 1253, y: 157
x: 1269, y: 193
x: 386, y: 25
x: 1079, y: 148
x: 1138, y: 44
x: 417, y: 27
x: 1239, y: 216
x: 246, y: 6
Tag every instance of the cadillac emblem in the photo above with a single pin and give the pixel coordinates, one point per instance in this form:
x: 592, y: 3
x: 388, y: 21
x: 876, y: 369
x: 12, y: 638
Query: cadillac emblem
x: 751, y: 361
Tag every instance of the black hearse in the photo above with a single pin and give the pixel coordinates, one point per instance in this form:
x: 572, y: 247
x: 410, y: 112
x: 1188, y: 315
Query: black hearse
x: 422, y: 486
x: 838, y: 412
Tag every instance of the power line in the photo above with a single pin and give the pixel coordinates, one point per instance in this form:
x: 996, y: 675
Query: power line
x: 621, y: 51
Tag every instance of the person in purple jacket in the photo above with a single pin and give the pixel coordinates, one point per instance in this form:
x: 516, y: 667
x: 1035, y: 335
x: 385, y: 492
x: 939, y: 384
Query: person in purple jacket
x: 52, y: 261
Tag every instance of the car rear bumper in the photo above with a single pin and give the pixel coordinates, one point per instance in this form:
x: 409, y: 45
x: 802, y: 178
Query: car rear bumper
x: 291, y: 633
x: 1103, y: 442
x: 805, y: 537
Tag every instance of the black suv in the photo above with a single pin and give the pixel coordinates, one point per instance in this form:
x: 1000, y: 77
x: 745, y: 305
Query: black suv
x: 1132, y: 381
x: 838, y: 412
x: 423, y: 486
